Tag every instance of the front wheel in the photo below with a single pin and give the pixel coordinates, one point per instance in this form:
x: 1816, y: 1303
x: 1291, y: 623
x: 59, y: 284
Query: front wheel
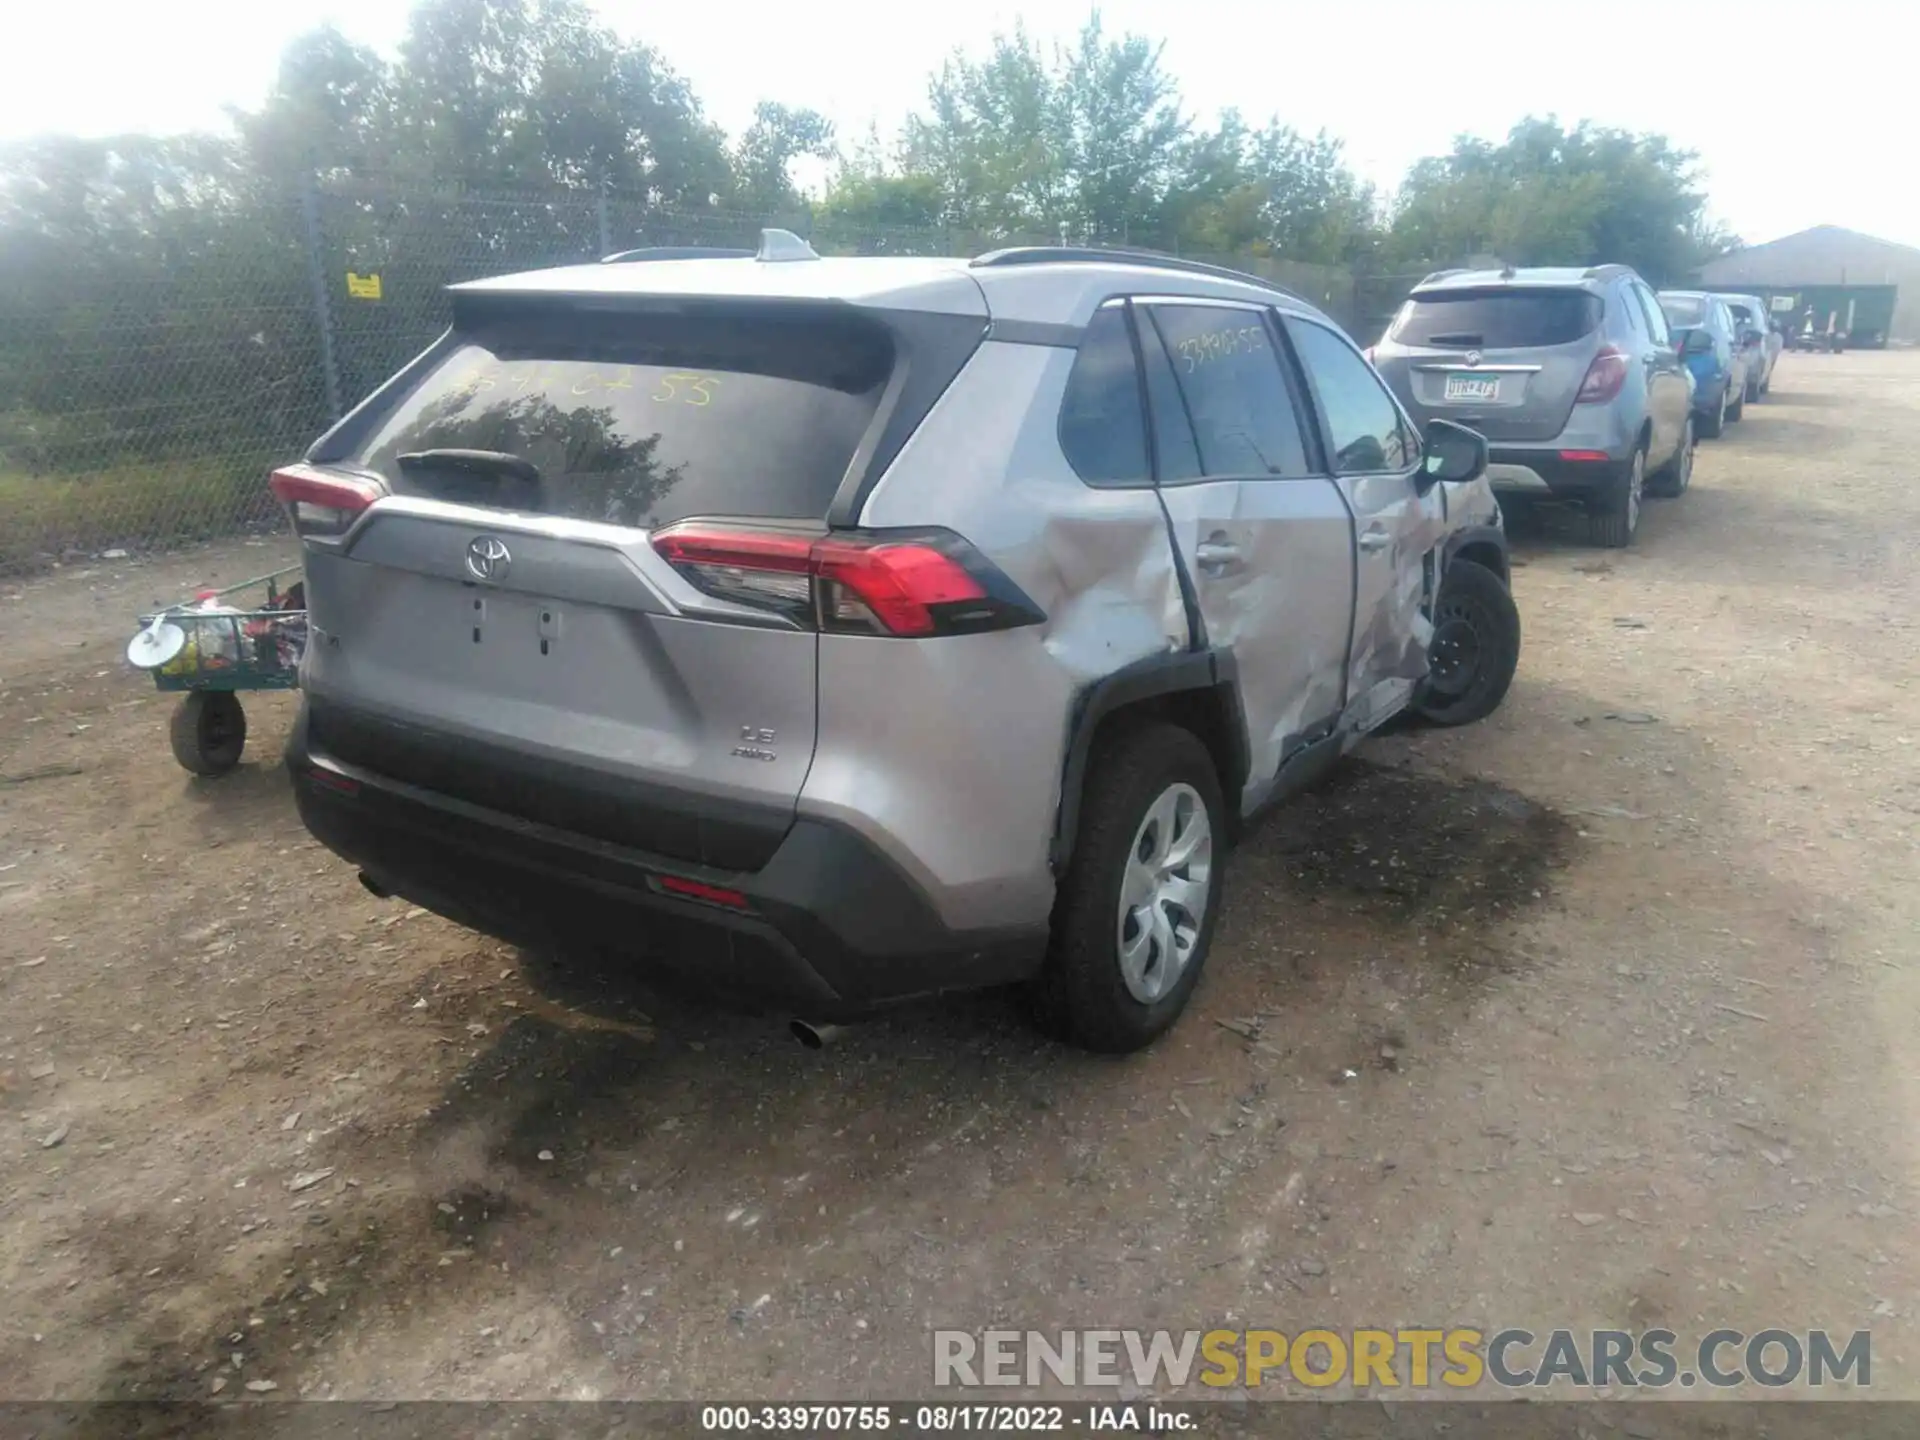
x: 1137, y: 909
x: 1738, y: 408
x: 1475, y: 649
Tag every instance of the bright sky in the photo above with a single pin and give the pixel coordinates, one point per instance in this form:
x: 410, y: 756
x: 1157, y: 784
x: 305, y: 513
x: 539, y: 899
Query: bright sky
x: 1801, y: 113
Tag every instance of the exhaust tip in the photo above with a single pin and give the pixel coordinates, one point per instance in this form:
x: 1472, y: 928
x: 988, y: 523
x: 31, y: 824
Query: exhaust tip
x: 374, y: 888
x: 814, y: 1037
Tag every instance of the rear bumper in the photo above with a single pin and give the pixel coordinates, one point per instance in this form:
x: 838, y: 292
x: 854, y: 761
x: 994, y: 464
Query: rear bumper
x: 1544, y: 474
x: 829, y: 928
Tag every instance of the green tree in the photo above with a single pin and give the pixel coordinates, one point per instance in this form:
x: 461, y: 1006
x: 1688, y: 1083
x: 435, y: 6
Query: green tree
x: 492, y: 93
x: 330, y: 111
x: 1083, y: 140
x: 763, y: 160
x: 871, y: 208
x: 1090, y: 142
x: 1552, y: 195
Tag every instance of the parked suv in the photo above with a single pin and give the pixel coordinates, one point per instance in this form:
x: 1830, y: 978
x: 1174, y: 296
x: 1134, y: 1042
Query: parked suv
x: 836, y: 632
x: 1570, y: 374
x: 1760, y: 337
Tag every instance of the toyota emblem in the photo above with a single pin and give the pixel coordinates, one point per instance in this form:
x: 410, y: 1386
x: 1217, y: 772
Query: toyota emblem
x: 488, y: 558
x: 1473, y: 358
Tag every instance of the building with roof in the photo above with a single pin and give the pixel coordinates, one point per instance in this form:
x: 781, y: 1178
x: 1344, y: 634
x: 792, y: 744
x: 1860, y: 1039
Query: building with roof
x: 1830, y: 268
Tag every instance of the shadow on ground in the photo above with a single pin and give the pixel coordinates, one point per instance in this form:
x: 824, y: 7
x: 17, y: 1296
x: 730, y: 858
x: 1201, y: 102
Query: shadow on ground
x: 603, y: 1100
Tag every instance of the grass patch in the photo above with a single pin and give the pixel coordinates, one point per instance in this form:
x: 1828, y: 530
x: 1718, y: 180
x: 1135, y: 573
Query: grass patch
x: 142, y: 505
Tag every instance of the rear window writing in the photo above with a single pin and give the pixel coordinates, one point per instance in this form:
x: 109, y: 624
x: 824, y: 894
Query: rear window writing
x: 1497, y: 319
x: 642, y: 420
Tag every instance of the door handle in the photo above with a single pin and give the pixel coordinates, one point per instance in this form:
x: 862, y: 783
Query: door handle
x: 1216, y: 557
x: 1375, y: 540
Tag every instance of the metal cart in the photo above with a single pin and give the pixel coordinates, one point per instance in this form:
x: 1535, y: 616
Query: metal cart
x: 210, y: 649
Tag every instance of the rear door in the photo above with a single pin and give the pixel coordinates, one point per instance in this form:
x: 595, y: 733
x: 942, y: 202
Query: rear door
x: 1375, y: 460
x: 503, y: 630
x: 1505, y: 360
x: 1267, y: 541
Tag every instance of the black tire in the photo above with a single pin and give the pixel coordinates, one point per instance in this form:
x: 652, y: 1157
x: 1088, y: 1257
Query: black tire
x: 1755, y: 389
x: 1738, y: 409
x: 1673, y: 478
x: 208, y: 731
x: 1476, y: 647
x: 1614, y: 520
x: 1082, y: 996
x: 1714, y: 424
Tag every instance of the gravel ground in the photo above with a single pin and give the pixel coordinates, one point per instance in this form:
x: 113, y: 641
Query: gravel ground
x: 1599, y: 1013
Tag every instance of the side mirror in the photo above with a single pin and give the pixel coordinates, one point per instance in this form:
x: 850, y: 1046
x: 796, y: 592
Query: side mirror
x: 1455, y: 455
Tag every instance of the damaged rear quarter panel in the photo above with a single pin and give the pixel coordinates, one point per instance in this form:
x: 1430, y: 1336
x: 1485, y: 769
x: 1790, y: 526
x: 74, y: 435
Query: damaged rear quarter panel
x: 986, y: 463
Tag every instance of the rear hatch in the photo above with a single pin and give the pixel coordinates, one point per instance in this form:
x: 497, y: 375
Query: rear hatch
x: 503, y: 630
x: 1506, y: 360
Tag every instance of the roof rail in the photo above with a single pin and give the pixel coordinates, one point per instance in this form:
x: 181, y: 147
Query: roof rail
x: 1443, y: 274
x: 674, y: 252
x: 1607, y: 272
x: 774, y: 245
x: 1090, y: 255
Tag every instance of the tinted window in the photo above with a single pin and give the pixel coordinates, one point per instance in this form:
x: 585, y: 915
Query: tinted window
x: 1362, y: 420
x: 641, y: 420
x: 1174, y: 449
x: 1684, y: 310
x: 1497, y: 319
x: 1745, y: 314
x: 1101, y: 429
x: 1229, y: 375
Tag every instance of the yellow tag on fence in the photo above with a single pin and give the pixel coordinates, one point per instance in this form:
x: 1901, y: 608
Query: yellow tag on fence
x: 363, y: 287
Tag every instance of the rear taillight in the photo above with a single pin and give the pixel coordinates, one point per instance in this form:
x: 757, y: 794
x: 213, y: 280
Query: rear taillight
x: 1605, y: 376
x: 321, y: 504
x: 698, y: 890
x: 890, y: 582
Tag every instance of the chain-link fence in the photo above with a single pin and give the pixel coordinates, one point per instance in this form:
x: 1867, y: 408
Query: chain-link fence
x: 150, y: 378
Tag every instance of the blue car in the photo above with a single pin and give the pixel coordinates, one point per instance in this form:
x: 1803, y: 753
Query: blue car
x: 1708, y: 339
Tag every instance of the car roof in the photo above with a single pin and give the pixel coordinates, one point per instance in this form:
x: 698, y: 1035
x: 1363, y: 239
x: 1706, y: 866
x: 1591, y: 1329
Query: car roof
x: 1691, y: 295
x: 1044, y: 286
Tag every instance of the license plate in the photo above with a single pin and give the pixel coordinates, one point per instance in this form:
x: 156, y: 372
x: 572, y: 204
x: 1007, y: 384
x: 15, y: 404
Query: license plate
x: 1472, y: 387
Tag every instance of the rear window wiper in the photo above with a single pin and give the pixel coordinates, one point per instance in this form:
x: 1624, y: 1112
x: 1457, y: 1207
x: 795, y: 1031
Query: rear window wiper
x: 1455, y: 337
x: 473, y: 462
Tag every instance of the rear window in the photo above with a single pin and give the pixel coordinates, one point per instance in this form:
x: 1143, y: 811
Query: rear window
x: 1743, y: 312
x: 642, y: 419
x: 1497, y: 319
x: 1684, y: 309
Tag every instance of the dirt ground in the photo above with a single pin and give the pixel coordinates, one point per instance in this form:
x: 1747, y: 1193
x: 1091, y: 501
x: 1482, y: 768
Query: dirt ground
x: 1602, y: 1012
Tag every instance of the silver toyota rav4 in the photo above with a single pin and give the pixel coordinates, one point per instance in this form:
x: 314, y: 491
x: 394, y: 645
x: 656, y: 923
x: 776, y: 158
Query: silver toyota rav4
x: 833, y: 632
